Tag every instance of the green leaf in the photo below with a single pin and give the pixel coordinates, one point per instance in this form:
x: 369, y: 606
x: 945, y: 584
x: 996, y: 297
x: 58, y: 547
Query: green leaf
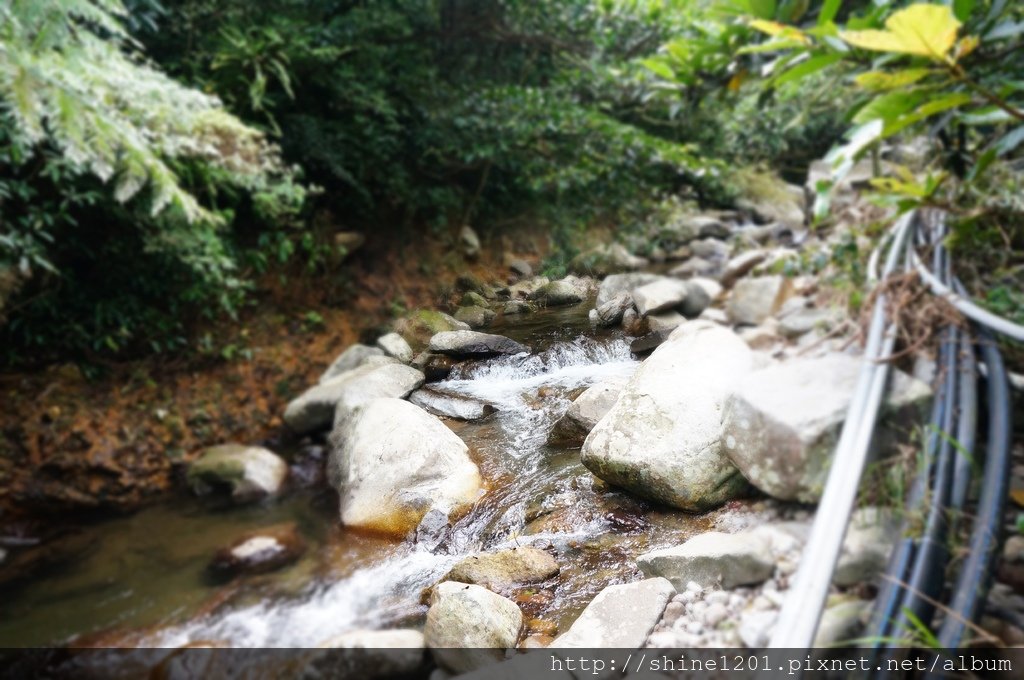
x: 807, y: 67
x: 1010, y: 141
x: 989, y: 115
x: 829, y: 11
x: 882, y: 80
x: 762, y: 9
x: 922, y: 29
x: 983, y: 163
x: 927, y: 110
x: 963, y: 8
x: 888, y: 106
x: 659, y: 68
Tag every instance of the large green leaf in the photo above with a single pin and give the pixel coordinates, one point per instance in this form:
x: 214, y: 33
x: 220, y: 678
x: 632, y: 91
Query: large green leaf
x: 888, y: 106
x: 807, y: 67
x: 922, y: 29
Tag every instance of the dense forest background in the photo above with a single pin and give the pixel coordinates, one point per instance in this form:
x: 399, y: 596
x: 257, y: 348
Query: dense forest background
x: 161, y: 162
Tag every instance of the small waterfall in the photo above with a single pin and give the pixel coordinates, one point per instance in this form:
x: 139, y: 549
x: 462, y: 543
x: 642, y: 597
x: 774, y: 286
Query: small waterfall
x: 513, y: 441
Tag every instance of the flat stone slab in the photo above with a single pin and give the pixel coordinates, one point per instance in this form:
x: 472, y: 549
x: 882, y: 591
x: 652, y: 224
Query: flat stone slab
x: 474, y: 344
x: 713, y: 558
x: 621, y: 616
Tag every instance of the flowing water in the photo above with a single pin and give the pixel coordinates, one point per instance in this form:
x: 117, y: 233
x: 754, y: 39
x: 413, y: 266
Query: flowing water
x: 144, y: 577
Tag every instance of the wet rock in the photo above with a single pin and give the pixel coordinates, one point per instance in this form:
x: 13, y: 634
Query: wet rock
x: 695, y: 266
x: 609, y: 258
x: 469, y: 242
x: 755, y: 299
x: 610, y: 313
x: 451, y: 405
x: 250, y: 472
x: 319, y: 406
x: 435, y: 367
x: 799, y: 321
x: 659, y: 296
x: 567, y: 291
x: 473, y: 299
x: 392, y: 462
x: 471, y: 344
x: 394, y: 345
x: 713, y: 558
x: 662, y: 438
x: 419, y: 326
x: 632, y: 323
x: 621, y: 616
x: 469, y: 626
x: 740, y: 266
x: 841, y: 623
x: 585, y: 412
x: 260, y: 552
x: 475, y: 317
x: 353, y: 357
x: 503, y: 570
x: 649, y: 342
x: 622, y: 283
x: 781, y: 423
x: 432, y: 529
x: 369, y: 654
x: 665, y: 323
x: 518, y: 307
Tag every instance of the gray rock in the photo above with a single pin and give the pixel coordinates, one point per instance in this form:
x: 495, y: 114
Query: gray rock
x: 659, y: 296
x: 781, y: 423
x: 434, y: 366
x: 755, y: 299
x: 473, y: 299
x: 469, y: 242
x: 469, y: 627
x: 609, y: 258
x: 394, y: 345
x: 520, y: 267
x: 770, y: 199
x: 585, y: 412
x: 622, y: 283
x: 475, y: 317
x: 804, y: 320
x: 518, y: 307
x: 265, y: 550
x: 526, y: 288
x: 558, y: 293
x: 711, y: 288
x: 318, y: 406
x: 369, y: 654
x: 474, y: 345
x: 250, y: 472
x: 665, y: 322
x: 711, y: 227
x: 392, y: 462
x: 697, y: 298
x: 711, y: 250
x: 610, y: 313
x: 695, y: 266
x: 740, y: 266
x: 621, y: 617
x: 713, y: 558
x: 841, y: 623
x: 419, y: 326
x: 649, y: 342
x: 353, y: 357
x: 503, y: 570
x: 869, y: 541
x: 662, y: 438
x: 755, y: 628
x: 632, y: 323
x: 446, y: 405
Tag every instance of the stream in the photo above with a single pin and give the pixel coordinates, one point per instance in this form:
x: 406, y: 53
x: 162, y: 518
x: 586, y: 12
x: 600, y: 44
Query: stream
x: 142, y: 580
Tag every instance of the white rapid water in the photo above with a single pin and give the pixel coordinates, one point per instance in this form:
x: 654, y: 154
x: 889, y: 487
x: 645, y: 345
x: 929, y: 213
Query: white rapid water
x: 512, y: 442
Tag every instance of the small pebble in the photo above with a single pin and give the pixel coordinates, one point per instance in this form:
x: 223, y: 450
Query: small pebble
x: 717, y: 597
x: 689, y: 596
x: 715, y: 614
x: 762, y: 603
x: 694, y: 627
x: 672, y: 612
x: 694, y: 587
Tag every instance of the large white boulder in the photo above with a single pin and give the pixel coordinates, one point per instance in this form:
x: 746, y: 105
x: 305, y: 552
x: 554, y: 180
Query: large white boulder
x: 315, y: 408
x: 473, y: 344
x: 659, y: 296
x: 782, y: 422
x: 755, y: 299
x: 469, y: 626
x: 662, y: 438
x: 250, y: 472
x: 392, y: 462
x: 623, y: 283
x: 353, y: 357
